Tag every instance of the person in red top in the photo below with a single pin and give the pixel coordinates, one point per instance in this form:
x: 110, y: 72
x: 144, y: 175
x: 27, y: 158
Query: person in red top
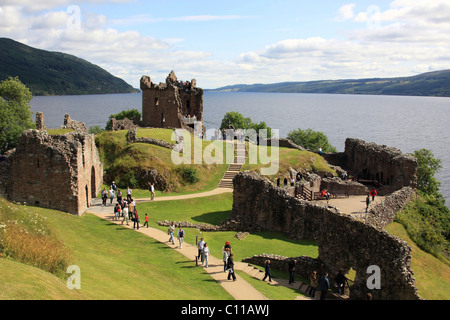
x: 373, y: 193
x: 146, y: 220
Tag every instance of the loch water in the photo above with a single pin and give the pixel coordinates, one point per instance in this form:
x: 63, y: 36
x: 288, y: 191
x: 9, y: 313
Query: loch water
x: 407, y: 123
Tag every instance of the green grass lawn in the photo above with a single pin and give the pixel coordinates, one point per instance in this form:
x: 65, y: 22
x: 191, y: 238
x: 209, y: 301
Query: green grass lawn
x: 287, y: 158
x: 215, y: 209
x: 115, y: 263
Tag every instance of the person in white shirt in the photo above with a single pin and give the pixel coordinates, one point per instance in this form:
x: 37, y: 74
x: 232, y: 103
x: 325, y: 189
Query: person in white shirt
x: 200, y: 246
x: 205, y: 253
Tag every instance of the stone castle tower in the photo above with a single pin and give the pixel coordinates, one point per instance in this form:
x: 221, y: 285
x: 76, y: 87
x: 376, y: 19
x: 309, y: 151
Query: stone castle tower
x: 173, y: 104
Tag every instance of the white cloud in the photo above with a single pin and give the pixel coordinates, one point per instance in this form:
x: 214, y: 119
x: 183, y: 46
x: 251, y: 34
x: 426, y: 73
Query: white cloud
x: 346, y: 12
x: 412, y: 37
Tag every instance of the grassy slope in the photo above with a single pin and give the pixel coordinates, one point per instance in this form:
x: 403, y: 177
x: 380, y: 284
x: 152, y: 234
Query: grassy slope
x: 289, y: 158
x: 115, y: 263
x: 432, y: 275
x: 118, y: 157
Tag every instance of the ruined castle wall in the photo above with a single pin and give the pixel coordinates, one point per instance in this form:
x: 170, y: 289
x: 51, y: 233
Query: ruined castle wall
x: 343, y: 242
x: 385, y: 164
x: 61, y: 172
x: 165, y: 105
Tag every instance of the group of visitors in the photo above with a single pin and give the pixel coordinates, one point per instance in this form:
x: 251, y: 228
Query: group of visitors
x: 323, y: 284
x: 114, y: 192
x: 291, y: 181
x: 124, y: 208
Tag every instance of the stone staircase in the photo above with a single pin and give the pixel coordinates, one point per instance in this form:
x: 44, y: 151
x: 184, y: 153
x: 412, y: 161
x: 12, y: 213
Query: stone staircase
x: 240, y: 154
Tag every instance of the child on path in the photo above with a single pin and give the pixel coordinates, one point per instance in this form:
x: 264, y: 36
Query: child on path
x: 146, y: 220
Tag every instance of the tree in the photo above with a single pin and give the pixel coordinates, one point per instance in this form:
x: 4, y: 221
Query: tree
x: 311, y: 139
x: 235, y: 120
x: 15, y: 112
x: 427, y: 167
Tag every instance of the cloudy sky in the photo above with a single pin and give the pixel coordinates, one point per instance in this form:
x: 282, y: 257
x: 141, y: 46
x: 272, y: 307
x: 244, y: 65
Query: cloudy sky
x: 228, y: 42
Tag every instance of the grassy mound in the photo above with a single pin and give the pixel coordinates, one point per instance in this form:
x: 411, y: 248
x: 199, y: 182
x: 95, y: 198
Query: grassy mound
x: 127, y: 164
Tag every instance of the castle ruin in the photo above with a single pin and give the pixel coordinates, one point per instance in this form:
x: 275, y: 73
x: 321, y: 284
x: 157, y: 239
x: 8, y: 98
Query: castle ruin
x: 55, y: 171
x: 173, y: 104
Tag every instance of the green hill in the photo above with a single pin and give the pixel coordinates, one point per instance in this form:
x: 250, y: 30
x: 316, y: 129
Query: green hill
x: 427, y: 84
x: 55, y: 73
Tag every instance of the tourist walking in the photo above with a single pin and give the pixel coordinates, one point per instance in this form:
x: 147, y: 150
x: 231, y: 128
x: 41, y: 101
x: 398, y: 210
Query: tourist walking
x: 119, y: 196
x: 230, y: 267
x: 373, y: 193
x: 367, y: 203
x: 125, y: 214
x: 291, y: 267
x: 200, y: 246
x: 130, y: 208
x: 324, y: 286
x: 267, y: 271
x: 104, y: 197
x: 135, y: 219
x: 340, y: 282
x: 111, y: 195
x: 146, y: 220
x: 117, y: 211
x: 129, y: 192
x: 152, y: 191
x: 181, y: 234
x: 171, y: 231
x: 313, y: 283
x: 205, y: 254
x: 225, y: 256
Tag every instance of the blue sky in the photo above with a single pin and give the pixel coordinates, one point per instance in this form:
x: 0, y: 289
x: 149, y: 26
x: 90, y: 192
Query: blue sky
x: 221, y: 43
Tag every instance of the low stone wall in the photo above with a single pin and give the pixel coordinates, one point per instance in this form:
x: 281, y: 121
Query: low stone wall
x: 132, y: 138
x: 304, y: 266
x: 343, y: 241
x: 228, y: 225
x: 334, y: 185
x: 383, y: 213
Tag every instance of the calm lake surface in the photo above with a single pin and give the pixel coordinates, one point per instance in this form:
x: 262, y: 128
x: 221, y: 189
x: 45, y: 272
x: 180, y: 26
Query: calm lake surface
x: 407, y: 123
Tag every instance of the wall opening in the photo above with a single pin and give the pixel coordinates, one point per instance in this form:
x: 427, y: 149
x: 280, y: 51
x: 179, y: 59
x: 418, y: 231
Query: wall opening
x: 93, y: 183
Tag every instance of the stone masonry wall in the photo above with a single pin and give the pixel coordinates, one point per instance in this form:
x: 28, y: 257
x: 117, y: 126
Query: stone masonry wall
x: 385, y: 164
x: 165, y: 105
x: 343, y: 242
x: 61, y: 172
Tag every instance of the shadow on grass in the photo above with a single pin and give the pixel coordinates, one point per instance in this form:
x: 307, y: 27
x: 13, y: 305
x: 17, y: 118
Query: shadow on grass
x: 214, y: 218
